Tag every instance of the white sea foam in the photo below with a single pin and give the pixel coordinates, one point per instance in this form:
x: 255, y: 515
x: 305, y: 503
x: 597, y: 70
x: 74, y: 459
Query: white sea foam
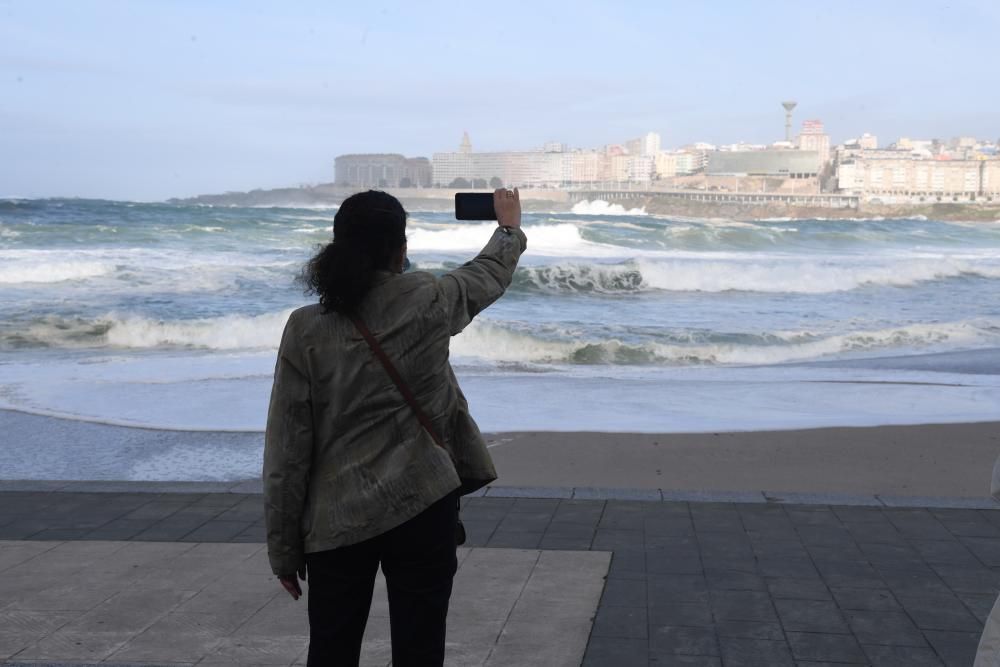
x: 229, y: 332
x: 802, y: 277
x: 601, y: 207
x: 129, y: 331
x: 495, y: 343
x: 17, y: 272
x: 698, y: 272
x: 564, y: 239
x: 143, y: 269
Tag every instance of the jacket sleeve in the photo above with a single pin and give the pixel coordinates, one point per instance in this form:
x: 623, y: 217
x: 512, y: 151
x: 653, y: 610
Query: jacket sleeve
x: 469, y: 289
x: 288, y: 444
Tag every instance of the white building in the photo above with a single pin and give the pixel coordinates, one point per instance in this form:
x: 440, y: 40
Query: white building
x: 647, y: 144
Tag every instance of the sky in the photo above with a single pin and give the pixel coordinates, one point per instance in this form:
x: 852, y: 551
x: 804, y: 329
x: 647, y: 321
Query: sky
x: 145, y: 100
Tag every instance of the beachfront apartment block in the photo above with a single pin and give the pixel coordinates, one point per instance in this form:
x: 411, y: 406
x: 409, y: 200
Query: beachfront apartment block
x: 552, y: 166
x: 902, y: 176
x: 382, y: 170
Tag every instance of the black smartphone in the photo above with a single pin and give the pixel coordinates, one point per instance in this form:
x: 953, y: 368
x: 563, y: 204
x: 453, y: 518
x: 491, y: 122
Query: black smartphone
x: 474, y: 206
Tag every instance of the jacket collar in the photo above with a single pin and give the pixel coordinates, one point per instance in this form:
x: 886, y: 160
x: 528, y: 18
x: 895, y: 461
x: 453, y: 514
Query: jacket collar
x: 382, y: 275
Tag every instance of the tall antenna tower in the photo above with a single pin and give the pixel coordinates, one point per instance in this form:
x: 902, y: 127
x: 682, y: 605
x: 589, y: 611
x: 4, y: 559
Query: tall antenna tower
x: 789, y: 105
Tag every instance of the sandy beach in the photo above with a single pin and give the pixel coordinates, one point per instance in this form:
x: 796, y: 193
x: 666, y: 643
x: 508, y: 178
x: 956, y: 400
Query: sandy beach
x: 926, y: 460
x: 944, y: 460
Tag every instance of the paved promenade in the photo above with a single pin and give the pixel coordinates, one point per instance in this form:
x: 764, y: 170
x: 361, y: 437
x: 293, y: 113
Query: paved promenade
x: 689, y: 583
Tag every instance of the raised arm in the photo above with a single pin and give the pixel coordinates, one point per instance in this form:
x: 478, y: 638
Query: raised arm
x: 469, y: 289
x: 288, y: 444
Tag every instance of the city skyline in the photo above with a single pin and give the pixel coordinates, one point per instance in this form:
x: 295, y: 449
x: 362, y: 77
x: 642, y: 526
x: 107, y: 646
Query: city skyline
x: 153, y: 100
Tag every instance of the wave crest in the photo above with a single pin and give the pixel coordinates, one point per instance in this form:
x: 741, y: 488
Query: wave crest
x: 682, y: 274
x: 23, y: 272
x: 229, y: 332
x: 491, y: 342
x: 601, y: 207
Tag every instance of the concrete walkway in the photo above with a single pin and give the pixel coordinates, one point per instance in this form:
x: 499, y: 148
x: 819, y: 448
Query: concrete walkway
x: 690, y: 583
x: 216, y: 604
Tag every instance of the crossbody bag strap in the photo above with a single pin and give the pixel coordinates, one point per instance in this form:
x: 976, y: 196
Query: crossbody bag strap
x: 404, y: 388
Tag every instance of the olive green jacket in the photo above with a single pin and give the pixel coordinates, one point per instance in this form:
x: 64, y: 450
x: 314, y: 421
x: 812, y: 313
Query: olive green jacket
x: 345, y: 458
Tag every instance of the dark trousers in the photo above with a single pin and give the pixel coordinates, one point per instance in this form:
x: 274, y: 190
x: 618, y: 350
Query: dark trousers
x: 419, y: 563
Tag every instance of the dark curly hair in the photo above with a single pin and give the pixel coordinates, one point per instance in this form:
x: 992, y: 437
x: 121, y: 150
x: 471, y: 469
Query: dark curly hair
x: 369, y: 228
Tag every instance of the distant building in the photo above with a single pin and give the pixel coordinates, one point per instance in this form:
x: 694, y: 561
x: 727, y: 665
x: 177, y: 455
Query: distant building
x: 779, y: 163
x: 814, y: 138
x: 866, y: 142
x: 554, y: 165
x: 648, y: 144
x: 744, y: 146
x: 582, y: 167
x: 382, y: 170
x: 511, y: 168
x: 904, y: 177
x: 665, y: 164
x: 617, y: 168
x: 694, y: 158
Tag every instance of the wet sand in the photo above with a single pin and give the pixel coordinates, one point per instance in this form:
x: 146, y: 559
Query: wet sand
x: 942, y: 460
x: 927, y: 460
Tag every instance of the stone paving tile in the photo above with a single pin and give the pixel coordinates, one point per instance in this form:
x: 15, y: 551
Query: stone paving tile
x: 817, y: 646
x: 902, y: 656
x: 75, y: 646
x: 956, y: 649
x: 692, y: 613
x: 514, y: 539
x: 626, y: 622
x: 672, y: 640
x: 978, y: 604
x: 755, y: 653
x: 986, y: 549
x: 939, y: 612
x: 732, y: 580
x: 217, y: 530
x: 624, y: 593
x: 742, y: 606
x: 628, y: 564
x: 699, y: 583
x: 944, y: 552
x: 881, y: 627
x: 797, y: 588
x: 811, y: 616
x: 750, y: 630
x: 616, y: 652
x: 665, y: 589
x: 683, y: 660
x: 866, y: 599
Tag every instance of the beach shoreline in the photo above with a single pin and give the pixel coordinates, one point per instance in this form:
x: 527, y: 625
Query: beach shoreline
x: 932, y: 460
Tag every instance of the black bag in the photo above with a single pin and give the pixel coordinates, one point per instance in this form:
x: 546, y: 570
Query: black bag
x: 404, y: 389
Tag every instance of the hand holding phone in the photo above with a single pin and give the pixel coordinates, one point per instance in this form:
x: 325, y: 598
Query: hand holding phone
x: 502, y: 205
x: 507, y: 204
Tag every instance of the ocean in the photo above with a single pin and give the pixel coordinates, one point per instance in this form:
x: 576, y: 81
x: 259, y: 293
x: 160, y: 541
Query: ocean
x: 168, y: 316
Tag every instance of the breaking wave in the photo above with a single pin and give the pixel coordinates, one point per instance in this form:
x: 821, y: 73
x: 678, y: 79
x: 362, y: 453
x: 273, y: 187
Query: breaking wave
x: 561, y: 239
x: 772, y: 276
x: 601, y: 207
x: 17, y: 272
x: 488, y: 341
x: 229, y: 332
